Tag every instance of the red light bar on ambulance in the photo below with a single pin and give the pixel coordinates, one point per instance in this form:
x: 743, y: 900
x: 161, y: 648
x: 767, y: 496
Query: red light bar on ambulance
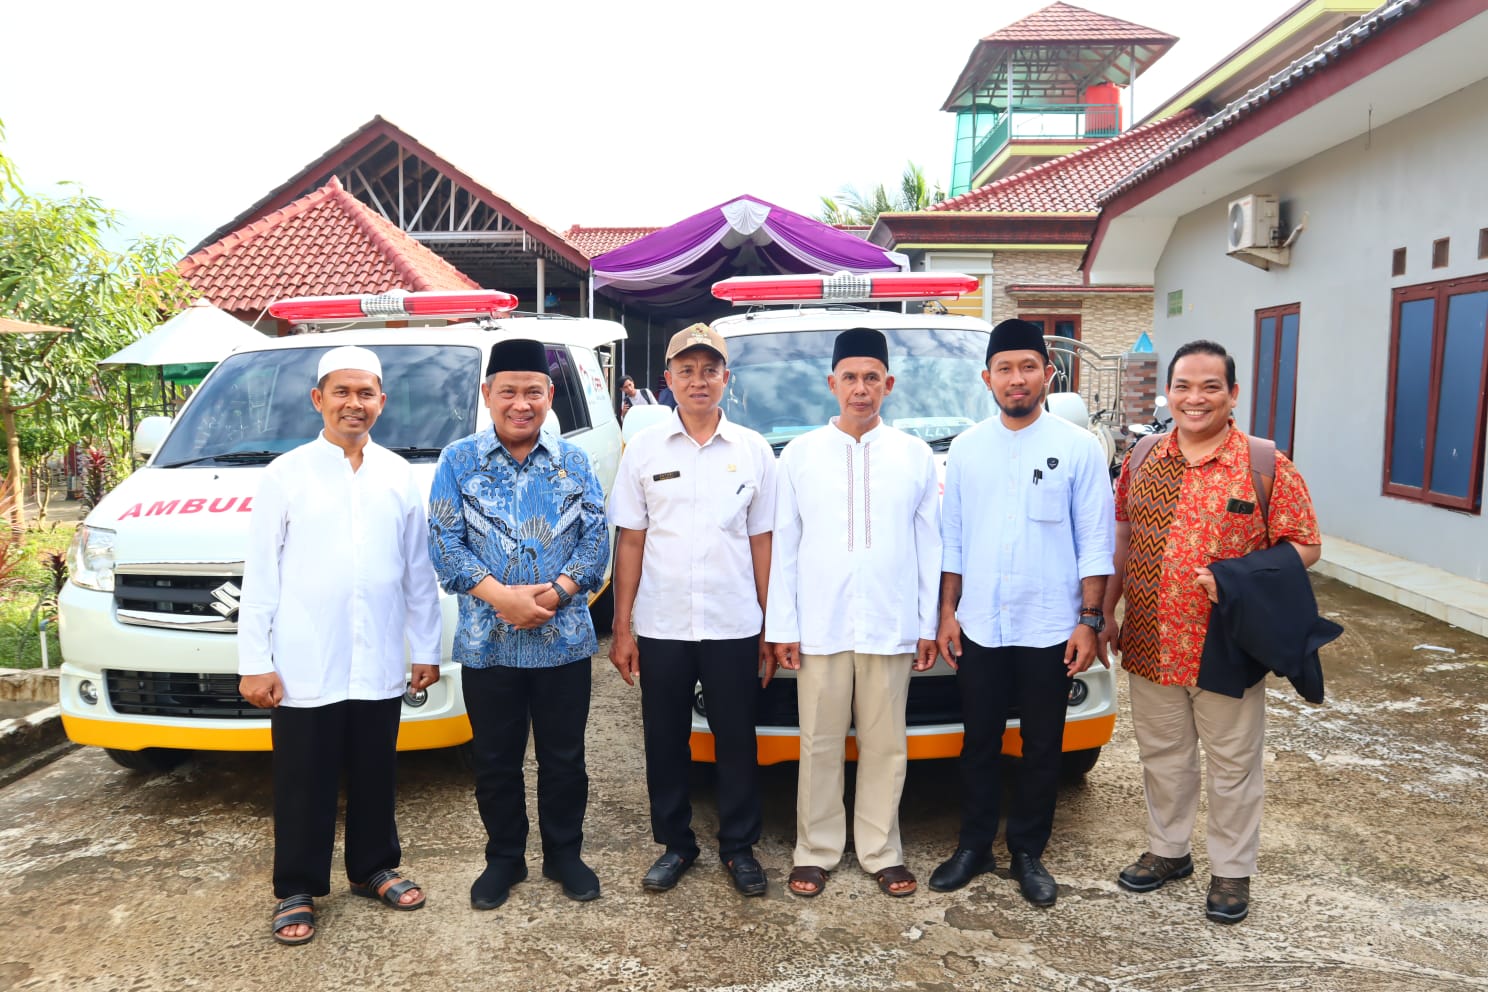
x: 844, y: 287
x: 457, y: 303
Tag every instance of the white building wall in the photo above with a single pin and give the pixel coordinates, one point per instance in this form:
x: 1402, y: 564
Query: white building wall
x: 1407, y: 184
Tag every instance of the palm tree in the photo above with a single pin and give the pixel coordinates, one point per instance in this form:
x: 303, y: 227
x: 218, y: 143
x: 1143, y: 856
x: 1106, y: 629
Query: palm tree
x: 851, y: 207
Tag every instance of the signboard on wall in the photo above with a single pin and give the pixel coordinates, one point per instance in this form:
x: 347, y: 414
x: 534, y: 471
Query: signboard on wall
x: 1175, y: 303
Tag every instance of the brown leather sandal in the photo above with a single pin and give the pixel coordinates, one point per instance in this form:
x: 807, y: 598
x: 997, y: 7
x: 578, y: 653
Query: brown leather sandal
x: 896, y: 875
x: 807, y: 875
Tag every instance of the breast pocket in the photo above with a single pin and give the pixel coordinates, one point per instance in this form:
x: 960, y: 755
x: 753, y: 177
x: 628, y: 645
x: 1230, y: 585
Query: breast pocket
x: 732, y: 511
x: 1049, y: 501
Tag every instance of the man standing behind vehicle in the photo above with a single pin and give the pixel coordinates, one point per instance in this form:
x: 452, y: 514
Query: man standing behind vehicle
x: 852, y: 606
x: 516, y: 526
x: 631, y: 396
x: 1191, y: 502
x: 335, y: 575
x: 1026, y: 523
x: 694, y: 503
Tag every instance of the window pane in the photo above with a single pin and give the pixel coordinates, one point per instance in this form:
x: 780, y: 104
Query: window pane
x: 1286, y: 380
x: 1265, y: 385
x: 1458, y: 410
x: 1412, y: 388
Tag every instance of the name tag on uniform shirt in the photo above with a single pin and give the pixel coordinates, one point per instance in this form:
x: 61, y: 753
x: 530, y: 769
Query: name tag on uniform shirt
x: 663, y: 476
x: 1240, y: 506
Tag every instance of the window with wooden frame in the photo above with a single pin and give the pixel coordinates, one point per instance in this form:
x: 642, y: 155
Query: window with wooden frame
x: 1434, y: 412
x: 1060, y: 325
x: 1274, y: 410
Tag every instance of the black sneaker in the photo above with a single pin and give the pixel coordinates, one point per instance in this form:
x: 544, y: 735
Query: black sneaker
x: 1153, y: 871
x: 1229, y: 899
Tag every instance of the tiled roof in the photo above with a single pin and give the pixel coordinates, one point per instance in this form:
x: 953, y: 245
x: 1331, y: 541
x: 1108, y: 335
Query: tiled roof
x: 1071, y: 183
x: 1343, y: 44
x: 1065, y: 22
x: 594, y: 241
x: 327, y: 242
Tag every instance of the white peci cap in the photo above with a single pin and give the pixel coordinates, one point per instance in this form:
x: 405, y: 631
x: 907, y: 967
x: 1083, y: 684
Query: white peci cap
x: 349, y: 357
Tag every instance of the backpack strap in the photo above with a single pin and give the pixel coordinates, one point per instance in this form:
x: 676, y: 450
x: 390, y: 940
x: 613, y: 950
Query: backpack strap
x: 1263, y: 473
x: 1140, y: 451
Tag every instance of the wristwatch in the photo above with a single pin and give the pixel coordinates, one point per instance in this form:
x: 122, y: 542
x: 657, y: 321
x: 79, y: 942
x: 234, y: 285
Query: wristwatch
x: 563, y: 594
x: 1093, y: 617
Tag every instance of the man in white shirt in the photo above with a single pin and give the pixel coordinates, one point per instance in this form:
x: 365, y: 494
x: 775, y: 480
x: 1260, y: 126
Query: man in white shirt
x: 1028, y: 526
x: 693, y: 505
x: 852, y: 607
x: 631, y: 396
x: 337, y: 573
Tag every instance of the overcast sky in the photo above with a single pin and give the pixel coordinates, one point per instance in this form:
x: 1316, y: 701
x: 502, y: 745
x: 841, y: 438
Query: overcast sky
x: 181, y: 115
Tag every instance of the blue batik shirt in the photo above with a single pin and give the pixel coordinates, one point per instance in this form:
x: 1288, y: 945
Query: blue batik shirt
x: 523, y: 523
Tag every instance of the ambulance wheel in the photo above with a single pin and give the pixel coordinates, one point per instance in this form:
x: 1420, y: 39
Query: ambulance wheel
x: 151, y: 759
x: 1075, y: 765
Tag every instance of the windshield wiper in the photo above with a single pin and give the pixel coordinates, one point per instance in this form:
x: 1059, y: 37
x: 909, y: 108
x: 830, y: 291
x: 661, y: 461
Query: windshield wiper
x: 414, y: 451
x: 246, y: 457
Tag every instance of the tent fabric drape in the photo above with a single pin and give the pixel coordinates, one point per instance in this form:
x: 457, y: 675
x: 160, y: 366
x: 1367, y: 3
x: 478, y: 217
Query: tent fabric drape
x: 674, y: 268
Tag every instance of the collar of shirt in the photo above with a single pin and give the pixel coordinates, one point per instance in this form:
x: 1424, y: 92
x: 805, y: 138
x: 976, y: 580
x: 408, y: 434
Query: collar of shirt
x: 329, y: 452
x: 488, y: 444
x: 726, y: 429
x: 868, y: 437
x: 1228, y: 452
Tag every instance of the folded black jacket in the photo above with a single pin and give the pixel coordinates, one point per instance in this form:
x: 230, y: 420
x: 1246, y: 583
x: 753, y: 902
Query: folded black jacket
x: 1266, y: 620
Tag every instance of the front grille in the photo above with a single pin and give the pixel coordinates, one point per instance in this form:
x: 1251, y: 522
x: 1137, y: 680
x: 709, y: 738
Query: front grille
x: 180, y: 694
x: 932, y: 700
x: 185, y: 600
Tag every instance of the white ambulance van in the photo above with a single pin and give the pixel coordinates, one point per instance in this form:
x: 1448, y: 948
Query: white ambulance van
x: 779, y: 358
x: 149, y: 613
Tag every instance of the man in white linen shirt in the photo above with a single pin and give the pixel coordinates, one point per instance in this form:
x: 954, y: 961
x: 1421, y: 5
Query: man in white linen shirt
x: 852, y: 606
x: 693, y: 505
x: 337, y: 573
x: 1028, y: 525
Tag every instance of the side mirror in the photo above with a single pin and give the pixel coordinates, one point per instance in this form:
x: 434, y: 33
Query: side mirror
x: 641, y: 417
x: 148, y: 435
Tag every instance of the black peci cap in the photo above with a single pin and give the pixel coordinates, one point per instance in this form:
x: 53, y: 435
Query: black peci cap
x: 860, y: 342
x: 1016, y: 335
x: 517, y: 355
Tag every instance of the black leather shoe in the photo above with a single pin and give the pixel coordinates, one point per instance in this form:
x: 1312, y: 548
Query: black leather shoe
x: 493, y: 886
x: 666, y: 872
x: 1034, y: 879
x: 749, y: 877
x: 578, y: 880
x: 960, y: 868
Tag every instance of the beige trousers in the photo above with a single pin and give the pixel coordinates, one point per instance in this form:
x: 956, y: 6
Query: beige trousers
x: 1171, y: 722
x: 870, y: 691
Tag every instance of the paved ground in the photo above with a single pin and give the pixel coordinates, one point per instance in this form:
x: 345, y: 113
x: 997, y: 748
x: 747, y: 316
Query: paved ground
x: 1372, y: 870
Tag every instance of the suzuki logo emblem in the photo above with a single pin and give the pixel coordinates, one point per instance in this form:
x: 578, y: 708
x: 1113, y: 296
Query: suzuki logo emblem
x: 227, y: 599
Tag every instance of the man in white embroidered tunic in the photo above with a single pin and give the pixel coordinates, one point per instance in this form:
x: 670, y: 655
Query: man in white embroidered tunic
x: 852, y: 607
x: 337, y: 573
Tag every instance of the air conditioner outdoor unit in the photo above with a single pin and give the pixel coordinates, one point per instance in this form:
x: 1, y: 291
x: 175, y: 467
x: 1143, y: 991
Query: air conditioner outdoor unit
x: 1255, y: 222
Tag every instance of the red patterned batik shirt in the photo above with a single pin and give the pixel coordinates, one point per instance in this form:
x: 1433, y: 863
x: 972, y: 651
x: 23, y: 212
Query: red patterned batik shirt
x: 1182, y: 517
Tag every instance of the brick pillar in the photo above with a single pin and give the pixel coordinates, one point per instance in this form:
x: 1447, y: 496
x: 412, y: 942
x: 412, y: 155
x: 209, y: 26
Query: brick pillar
x: 1138, y: 389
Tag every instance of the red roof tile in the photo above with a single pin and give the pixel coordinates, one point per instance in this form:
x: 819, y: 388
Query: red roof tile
x: 1070, y: 184
x: 594, y: 241
x: 1066, y: 22
x: 327, y: 242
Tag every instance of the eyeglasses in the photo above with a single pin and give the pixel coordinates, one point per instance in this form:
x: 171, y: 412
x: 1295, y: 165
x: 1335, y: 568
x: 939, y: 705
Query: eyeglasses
x: 708, y: 373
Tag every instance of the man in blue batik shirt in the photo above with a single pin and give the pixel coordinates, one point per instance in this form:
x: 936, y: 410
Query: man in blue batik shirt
x: 517, y: 527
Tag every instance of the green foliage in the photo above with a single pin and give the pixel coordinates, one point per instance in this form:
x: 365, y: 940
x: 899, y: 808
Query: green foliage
x: 31, y: 597
x: 55, y: 269
x: 97, y: 479
x: 852, y: 206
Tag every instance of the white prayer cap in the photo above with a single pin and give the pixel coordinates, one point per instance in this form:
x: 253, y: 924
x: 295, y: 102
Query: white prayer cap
x: 349, y: 357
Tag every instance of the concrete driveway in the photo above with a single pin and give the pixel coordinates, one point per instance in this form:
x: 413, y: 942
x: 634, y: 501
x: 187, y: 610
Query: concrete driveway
x: 1372, y: 870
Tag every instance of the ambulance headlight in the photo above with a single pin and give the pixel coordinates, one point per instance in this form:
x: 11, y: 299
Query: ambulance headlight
x: 90, y: 558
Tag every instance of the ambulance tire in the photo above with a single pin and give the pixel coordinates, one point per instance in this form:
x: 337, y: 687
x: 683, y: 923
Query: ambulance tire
x: 1075, y: 765
x: 149, y: 760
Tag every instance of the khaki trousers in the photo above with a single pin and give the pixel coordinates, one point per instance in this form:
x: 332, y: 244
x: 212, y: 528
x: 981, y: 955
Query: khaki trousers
x: 870, y: 691
x: 1171, y: 722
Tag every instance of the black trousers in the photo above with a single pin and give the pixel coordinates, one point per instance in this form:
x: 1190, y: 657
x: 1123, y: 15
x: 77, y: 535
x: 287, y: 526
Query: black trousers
x: 990, y: 681
x: 312, y: 746
x: 502, y: 702
x: 729, y: 672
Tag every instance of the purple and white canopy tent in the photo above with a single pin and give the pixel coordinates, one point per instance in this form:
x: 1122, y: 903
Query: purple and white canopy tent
x: 673, y: 269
